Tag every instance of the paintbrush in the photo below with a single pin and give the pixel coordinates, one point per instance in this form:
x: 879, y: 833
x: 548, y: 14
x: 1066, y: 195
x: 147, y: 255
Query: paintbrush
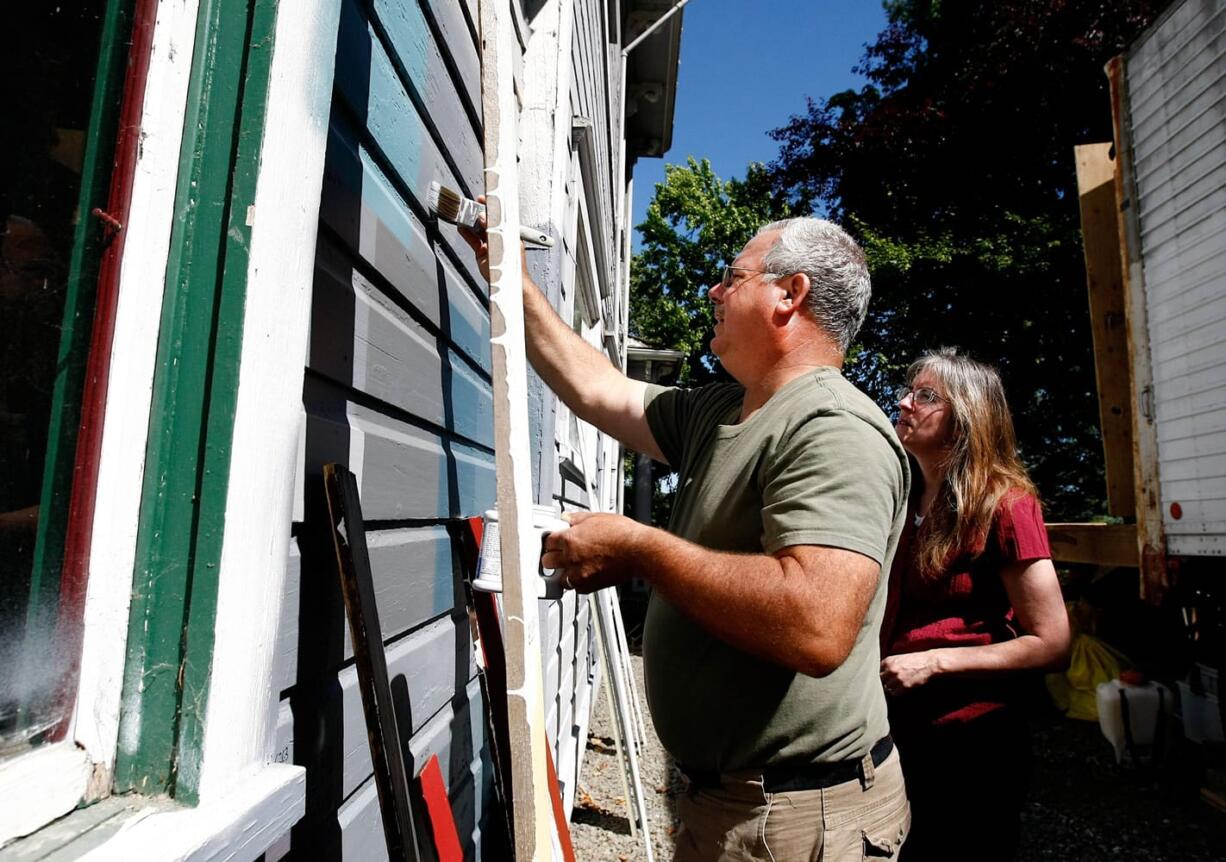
x: 451, y: 206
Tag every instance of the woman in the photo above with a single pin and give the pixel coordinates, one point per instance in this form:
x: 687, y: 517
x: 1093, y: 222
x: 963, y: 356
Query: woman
x: 974, y: 601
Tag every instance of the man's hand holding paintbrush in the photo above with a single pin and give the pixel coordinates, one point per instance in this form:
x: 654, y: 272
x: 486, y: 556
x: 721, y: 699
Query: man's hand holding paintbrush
x: 597, y: 550
x: 477, y: 239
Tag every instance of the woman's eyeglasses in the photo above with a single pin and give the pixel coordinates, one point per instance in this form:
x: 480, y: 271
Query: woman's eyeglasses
x: 921, y: 397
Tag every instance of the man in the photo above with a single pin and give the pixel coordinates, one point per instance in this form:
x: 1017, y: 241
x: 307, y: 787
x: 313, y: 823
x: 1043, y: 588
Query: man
x: 761, y: 641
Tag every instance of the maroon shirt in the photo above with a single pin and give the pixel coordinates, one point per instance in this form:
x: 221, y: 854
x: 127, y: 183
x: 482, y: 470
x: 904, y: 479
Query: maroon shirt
x: 965, y: 606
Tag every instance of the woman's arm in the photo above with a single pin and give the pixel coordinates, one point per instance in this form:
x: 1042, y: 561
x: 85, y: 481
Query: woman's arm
x: 1034, y: 592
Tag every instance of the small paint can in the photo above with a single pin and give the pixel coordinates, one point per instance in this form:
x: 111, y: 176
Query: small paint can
x: 545, y: 520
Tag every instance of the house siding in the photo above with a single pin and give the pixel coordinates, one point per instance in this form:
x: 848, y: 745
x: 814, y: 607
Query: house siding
x: 397, y: 387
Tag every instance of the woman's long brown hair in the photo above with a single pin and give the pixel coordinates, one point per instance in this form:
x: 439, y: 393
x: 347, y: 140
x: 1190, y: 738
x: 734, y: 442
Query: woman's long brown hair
x: 982, y: 464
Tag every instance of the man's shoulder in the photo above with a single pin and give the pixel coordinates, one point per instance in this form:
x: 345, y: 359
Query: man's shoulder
x: 828, y: 393
x: 717, y: 396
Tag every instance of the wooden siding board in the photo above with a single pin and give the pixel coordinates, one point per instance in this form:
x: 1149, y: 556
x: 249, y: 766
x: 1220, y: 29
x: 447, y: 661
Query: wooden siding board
x: 1193, y: 424
x: 376, y: 99
x: 1191, y: 145
x: 1182, y: 96
x: 1194, y: 469
x: 414, y: 577
x: 426, y: 670
x: 414, y: 582
x: 590, y: 76
x: 1197, y: 376
x: 1162, y: 48
x: 428, y: 66
x: 1175, y: 54
x: 458, y: 43
x: 361, y: 827
x: 368, y: 81
x: 285, y: 648
x: 404, y: 471
x: 373, y: 216
x: 1171, y: 219
x: 364, y: 341
x: 283, y: 736
x: 358, y: 817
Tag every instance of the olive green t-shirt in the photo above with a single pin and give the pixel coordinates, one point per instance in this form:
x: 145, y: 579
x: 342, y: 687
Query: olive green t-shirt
x: 818, y: 464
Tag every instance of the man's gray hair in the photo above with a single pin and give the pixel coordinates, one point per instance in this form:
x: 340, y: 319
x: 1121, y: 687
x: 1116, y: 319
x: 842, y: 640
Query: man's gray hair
x: 839, y: 286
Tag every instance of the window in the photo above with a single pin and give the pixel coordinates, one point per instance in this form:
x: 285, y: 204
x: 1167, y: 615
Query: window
x: 60, y: 102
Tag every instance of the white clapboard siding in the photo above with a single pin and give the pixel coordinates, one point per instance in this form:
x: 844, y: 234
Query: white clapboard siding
x: 1177, y: 104
x: 285, y: 661
x: 283, y: 736
x: 428, y: 663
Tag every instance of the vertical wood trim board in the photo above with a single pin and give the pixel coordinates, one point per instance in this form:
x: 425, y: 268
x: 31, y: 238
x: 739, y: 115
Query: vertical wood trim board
x: 1105, y: 285
x: 525, y: 707
x: 1152, y: 543
x: 126, y: 423
x: 259, y: 509
x: 187, y: 462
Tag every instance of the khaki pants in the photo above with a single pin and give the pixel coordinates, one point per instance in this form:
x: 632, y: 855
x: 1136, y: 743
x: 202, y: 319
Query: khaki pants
x: 860, y: 819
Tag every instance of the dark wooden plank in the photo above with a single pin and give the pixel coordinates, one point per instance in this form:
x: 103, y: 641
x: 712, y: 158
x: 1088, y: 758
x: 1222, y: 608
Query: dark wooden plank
x: 353, y: 565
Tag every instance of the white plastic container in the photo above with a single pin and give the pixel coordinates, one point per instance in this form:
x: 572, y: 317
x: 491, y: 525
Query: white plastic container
x: 545, y: 520
x: 1135, y: 716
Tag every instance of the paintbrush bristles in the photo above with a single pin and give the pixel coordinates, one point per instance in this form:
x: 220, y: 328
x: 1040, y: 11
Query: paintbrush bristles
x: 451, y: 206
x: 449, y: 203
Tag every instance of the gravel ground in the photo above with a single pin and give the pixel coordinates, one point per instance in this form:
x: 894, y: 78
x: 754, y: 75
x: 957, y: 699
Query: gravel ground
x: 1083, y: 806
x: 599, y: 828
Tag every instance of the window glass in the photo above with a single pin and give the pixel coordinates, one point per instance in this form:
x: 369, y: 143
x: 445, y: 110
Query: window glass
x: 48, y: 59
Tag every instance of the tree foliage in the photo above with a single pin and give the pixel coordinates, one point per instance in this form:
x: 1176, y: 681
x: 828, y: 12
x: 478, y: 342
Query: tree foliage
x: 695, y: 225
x: 954, y: 168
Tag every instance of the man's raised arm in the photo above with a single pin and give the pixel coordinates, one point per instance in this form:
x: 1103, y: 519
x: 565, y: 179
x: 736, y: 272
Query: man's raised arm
x: 583, y: 377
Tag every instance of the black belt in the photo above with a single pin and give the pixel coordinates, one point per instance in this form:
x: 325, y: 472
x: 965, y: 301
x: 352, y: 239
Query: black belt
x: 809, y: 776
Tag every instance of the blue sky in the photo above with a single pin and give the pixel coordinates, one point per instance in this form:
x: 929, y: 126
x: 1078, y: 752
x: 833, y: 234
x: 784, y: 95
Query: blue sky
x: 746, y: 66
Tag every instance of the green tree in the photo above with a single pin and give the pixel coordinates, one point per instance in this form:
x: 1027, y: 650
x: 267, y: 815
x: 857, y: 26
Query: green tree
x: 696, y: 223
x: 954, y: 168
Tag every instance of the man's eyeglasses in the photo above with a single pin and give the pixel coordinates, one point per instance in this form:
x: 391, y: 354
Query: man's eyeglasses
x: 920, y: 397
x: 729, y: 275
